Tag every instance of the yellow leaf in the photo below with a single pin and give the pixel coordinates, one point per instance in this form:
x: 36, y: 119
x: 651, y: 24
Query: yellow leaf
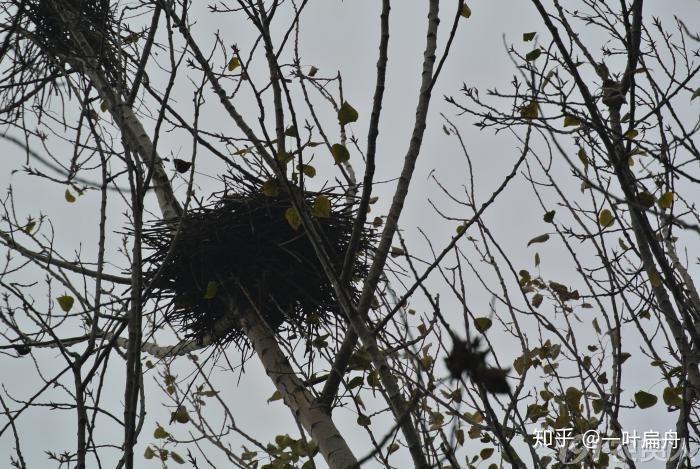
x: 270, y: 188
x: 284, y: 157
x: 308, y: 170
x: 65, y: 302
x: 340, y: 153
x: 160, y: 433
x: 465, y: 12
x: 530, y: 111
x: 606, y: 218
x: 347, y: 114
x: 397, y: 251
x: 666, y: 200
x: 631, y: 134
x: 70, y: 198
x: 654, y: 278
x: 321, y: 207
x: 571, y: 121
x: 210, y: 293
x: 276, y: 396
x: 482, y: 324
x: 292, y: 217
x: 180, y: 415
x: 29, y: 227
x: 583, y: 157
x: 234, y: 63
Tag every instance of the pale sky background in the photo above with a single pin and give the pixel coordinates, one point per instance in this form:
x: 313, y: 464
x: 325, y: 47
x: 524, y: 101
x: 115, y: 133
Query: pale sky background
x: 341, y: 35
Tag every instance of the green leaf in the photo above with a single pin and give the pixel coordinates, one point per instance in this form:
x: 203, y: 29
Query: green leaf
x: 672, y: 396
x: 321, y: 207
x: 528, y: 36
x: 533, y: 55
x: 65, y: 302
x: 465, y: 12
x: 573, y: 398
x: 340, y: 153
x: 549, y: 216
x: 176, y: 457
x: 373, y: 379
x: 482, y: 324
x: 571, y: 121
x: 530, y: 110
x: 363, y: 421
x: 666, y: 200
x: 292, y: 217
x: 696, y: 94
x: 347, y: 114
x: 355, y: 382
x: 605, y: 218
x: 486, y: 453
x: 543, y: 238
x: 160, y: 433
x: 210, y: 292
x: 70, y: 198
x: 291, y: 131
x: 645, y: 199
x: 313, y: 71
x: 645, y: 400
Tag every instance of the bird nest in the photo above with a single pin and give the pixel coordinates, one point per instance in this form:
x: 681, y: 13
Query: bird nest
x: 250, y: 250
x: 93, y: 18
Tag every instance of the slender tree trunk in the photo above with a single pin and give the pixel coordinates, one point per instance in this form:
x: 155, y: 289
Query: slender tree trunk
x: 312, y: 416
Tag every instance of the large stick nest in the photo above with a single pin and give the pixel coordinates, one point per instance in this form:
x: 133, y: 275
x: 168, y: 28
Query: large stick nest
x: 244, y: 249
